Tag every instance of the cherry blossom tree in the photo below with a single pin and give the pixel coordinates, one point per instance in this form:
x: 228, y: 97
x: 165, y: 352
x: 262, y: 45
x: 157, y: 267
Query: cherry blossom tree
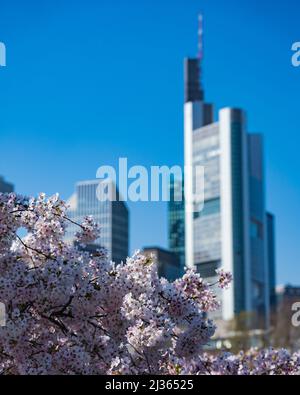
x: 72, y: 312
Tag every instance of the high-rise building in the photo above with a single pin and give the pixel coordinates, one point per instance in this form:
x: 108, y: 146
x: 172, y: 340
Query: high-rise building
x: 231, y: 229
x: 5, y: 187
x: 176, y: 220
x: 112, y: 216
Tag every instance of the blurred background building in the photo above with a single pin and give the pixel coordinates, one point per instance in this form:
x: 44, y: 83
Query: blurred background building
x: 5, y: 187
x: 168, y: 263
x: 112, y: 216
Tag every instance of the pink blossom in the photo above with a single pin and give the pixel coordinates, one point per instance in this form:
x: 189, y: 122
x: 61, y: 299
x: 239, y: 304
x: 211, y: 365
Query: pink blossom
x: 225, y: 278
x: 69, y: 312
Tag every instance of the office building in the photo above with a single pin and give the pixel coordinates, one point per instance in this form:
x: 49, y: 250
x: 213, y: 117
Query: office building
x: 112, y: 216
x: 229, y: 228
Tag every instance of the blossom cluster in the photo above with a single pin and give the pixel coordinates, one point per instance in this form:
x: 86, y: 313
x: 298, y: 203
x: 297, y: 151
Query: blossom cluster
x: 254, y: 362
x: 69, y: 311
x: 225, y: 278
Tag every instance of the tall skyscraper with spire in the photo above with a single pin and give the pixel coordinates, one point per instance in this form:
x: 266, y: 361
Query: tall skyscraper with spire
x: 231, y: 229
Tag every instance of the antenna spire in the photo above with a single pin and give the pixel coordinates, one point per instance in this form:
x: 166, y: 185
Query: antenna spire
x: 200, y: 37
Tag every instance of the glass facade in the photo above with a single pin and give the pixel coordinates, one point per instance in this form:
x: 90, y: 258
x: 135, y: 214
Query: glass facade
x: 239, y: 211
x: 258, y: 225
x: 247, y: 211
x: 112, y: 217
x: 207, y: 222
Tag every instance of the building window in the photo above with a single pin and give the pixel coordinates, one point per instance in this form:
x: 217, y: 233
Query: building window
x: 211, y: 207
x: 256, y: 229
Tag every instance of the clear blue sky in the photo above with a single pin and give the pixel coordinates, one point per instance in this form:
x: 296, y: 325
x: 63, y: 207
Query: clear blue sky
x: 90, y: 81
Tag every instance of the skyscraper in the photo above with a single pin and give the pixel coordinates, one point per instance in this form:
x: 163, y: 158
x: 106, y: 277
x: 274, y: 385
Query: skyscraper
x: 5, y: 187
x: 112, y: 216
x: 231, y: 229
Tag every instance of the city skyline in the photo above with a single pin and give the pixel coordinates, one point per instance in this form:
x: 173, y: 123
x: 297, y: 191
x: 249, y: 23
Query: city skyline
x: 281, y: 183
